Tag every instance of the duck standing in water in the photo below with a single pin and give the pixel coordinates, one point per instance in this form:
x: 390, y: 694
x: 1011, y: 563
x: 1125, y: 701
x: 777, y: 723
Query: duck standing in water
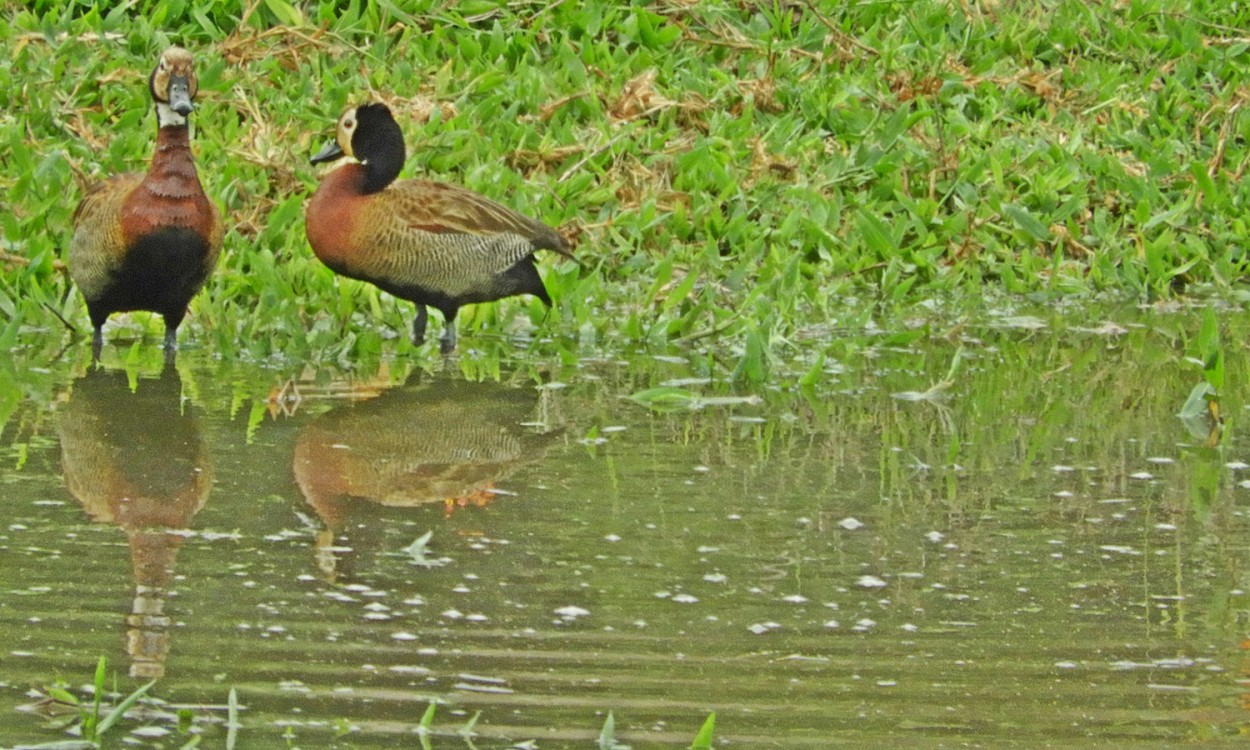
x: 430, y: 243
x: 149, y: 241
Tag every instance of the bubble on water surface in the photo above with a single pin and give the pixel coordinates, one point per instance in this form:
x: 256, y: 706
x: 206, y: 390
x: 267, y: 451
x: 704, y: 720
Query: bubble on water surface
x: 475, y: 688
x: 870, y: 582
x: 147, y: 732
x: 408, y: 668
x: 850, y: 523
x: 1119, y: 548
x: 760, y: 628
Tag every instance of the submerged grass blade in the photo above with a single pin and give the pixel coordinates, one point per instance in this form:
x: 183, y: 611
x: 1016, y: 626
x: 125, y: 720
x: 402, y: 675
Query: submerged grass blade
x: 607, y: 735
x: 466, y: 731
x: 232, y: 719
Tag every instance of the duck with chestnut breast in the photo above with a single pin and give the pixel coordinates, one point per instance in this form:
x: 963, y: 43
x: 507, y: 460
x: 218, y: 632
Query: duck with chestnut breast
x: 149, y: 241
x: 430, y: 243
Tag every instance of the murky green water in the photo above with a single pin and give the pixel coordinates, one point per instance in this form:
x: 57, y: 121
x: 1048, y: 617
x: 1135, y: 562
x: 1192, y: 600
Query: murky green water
x: 1043, y: 555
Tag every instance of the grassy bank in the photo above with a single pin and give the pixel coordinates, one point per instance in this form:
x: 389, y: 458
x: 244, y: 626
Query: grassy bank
x: 746, y: 178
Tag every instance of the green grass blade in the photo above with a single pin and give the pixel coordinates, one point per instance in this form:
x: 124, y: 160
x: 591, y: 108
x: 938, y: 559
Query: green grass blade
x: 703, y: 740
x: 117, y: 713
x: 607, y: 735
x: 90, y: 724
x: 427, y: 718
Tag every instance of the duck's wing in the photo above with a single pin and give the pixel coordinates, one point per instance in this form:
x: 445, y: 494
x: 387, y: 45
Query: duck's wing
x: 97, y: 245
x: 442, y: 208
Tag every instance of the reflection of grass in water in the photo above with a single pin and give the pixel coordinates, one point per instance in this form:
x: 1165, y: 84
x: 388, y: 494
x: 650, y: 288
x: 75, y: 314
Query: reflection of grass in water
x: 92, y: 725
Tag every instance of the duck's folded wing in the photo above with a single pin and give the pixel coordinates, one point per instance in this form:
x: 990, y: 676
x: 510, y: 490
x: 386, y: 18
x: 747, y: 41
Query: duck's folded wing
x: 98, y: 245
x: 441, y: 208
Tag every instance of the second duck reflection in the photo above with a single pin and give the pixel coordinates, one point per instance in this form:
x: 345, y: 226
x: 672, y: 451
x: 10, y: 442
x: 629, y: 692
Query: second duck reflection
x: 358, y: 454
x: 447, y: 441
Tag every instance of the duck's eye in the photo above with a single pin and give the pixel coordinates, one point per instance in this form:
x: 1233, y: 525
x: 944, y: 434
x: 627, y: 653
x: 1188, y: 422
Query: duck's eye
x: 349, y: 125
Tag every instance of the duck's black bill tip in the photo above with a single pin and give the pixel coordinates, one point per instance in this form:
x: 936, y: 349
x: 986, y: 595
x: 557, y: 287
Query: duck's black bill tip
x: 331, y: 152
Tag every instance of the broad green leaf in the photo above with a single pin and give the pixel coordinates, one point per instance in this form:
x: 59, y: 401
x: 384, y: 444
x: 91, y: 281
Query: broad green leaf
x: 287, y: 14
x: 875, y: 233
x: 1027, y: 221
x: 1196, y: 405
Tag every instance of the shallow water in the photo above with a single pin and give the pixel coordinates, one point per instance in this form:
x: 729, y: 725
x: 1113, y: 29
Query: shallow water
x: 1036, y: 553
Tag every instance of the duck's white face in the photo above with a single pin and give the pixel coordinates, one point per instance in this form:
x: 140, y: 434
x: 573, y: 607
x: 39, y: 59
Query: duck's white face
x: 174, y: 86
x: 346, y: 130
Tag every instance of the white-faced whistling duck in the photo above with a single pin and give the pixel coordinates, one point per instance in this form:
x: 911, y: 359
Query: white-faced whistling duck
x: 432, y: 244
x: 149, y: 241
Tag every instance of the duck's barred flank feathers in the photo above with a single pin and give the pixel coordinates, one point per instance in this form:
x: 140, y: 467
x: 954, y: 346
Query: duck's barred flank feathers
x: 431, y: 243
x: 148, y: 241
x: 457, y: 264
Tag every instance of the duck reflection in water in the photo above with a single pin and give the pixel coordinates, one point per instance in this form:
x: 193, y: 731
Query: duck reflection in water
x: 447, y: 441
x: 137, y: 459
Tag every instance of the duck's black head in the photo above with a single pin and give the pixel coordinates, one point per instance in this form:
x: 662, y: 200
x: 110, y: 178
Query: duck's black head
x: 370, y: 134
